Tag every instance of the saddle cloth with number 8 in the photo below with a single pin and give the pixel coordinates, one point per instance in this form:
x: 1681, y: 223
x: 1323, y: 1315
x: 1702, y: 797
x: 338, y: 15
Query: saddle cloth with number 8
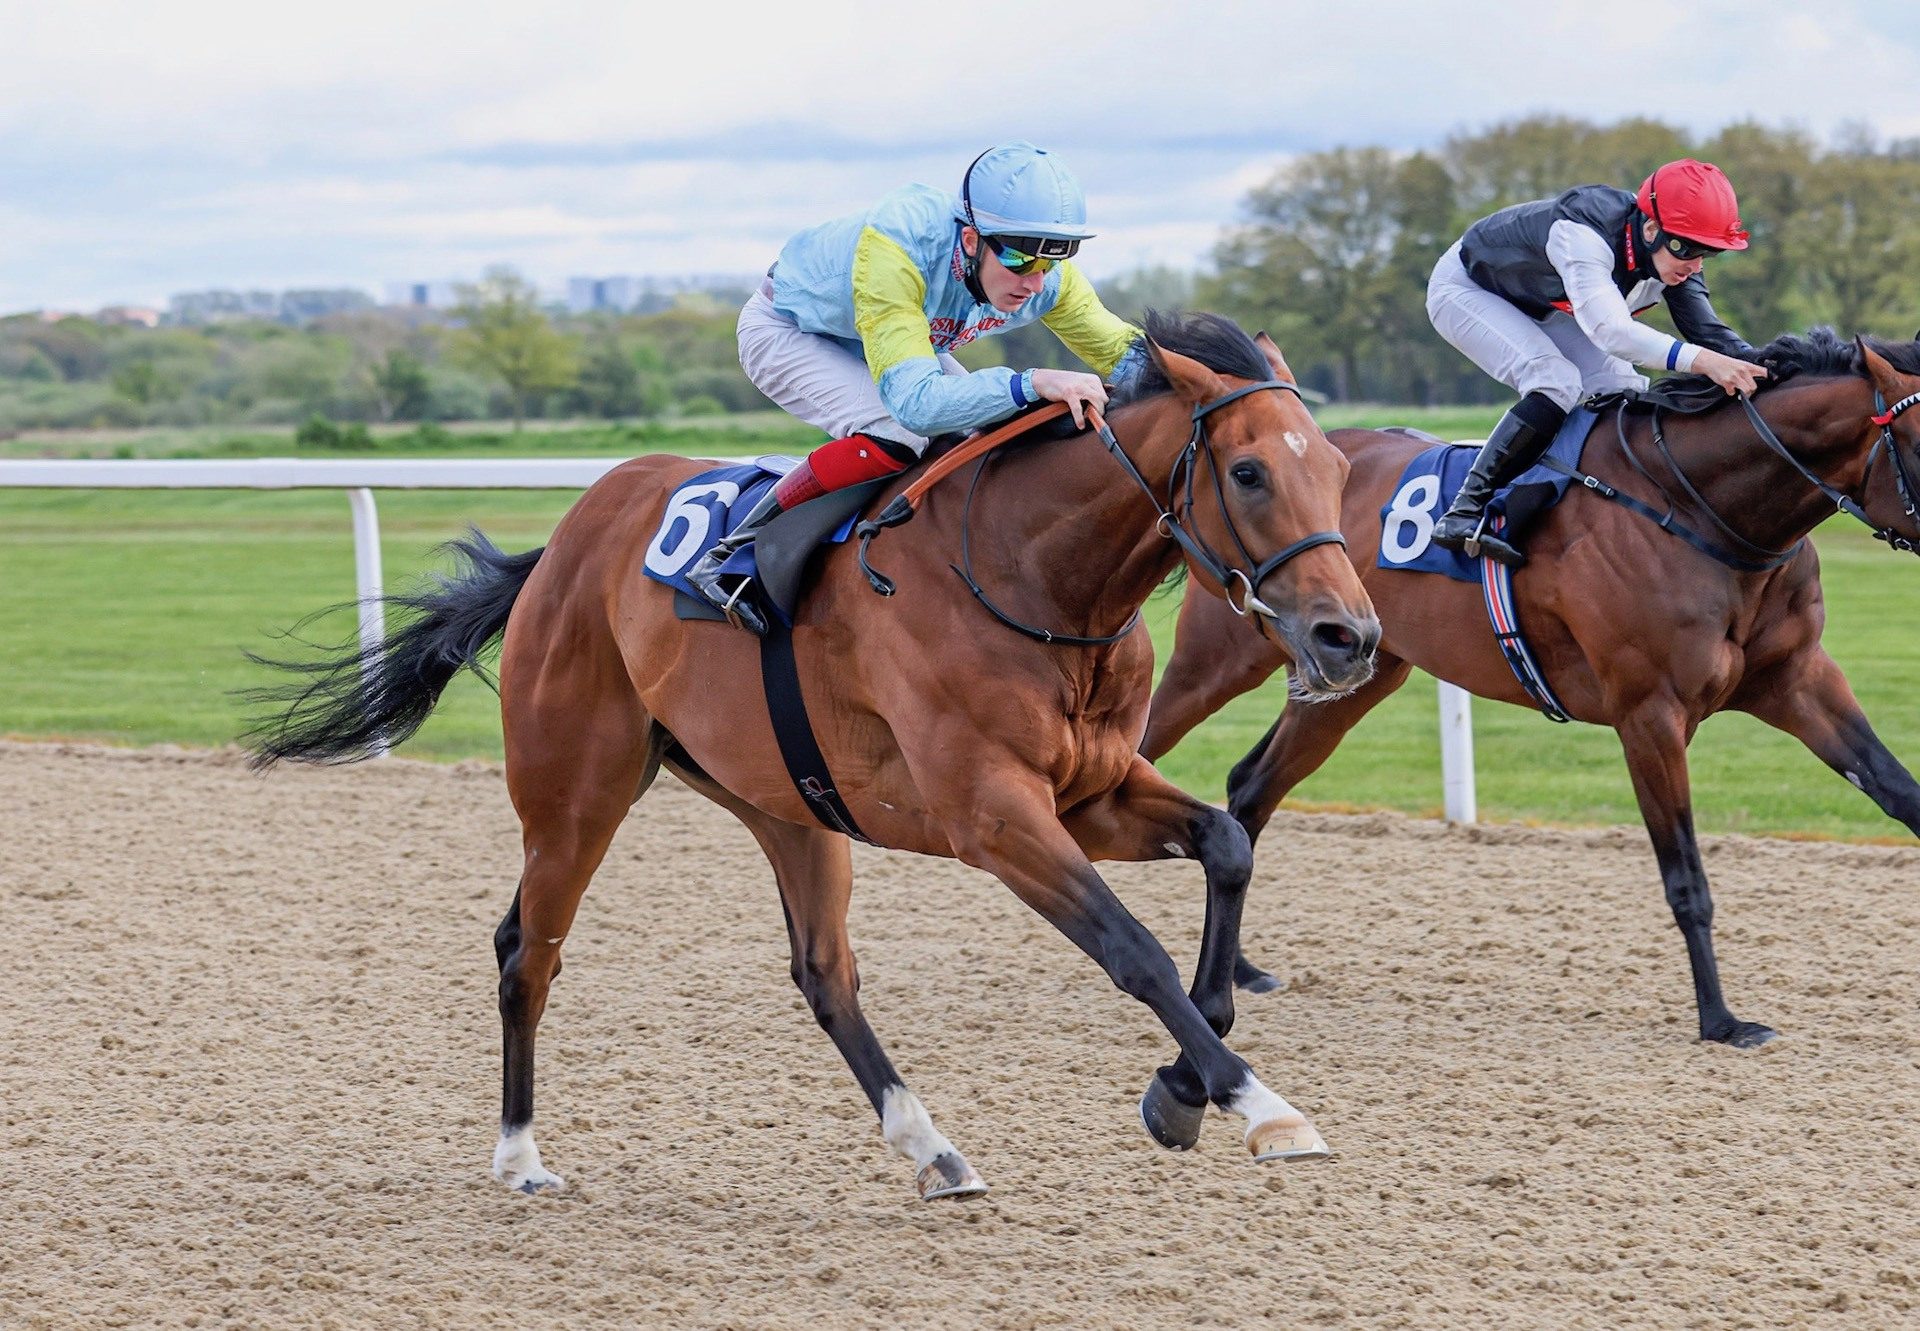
x: 1433, y: 477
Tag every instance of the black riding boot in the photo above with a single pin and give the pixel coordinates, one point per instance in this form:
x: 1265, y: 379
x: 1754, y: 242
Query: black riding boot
x: 1516, y: 443
x: 704, y: 576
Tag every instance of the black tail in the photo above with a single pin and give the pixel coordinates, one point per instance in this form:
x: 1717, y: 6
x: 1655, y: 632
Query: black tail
x: 355, y: 698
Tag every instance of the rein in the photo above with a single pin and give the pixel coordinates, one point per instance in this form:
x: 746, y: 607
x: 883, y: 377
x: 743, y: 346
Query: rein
x: 1884, y: 417
x: 1171, y: 526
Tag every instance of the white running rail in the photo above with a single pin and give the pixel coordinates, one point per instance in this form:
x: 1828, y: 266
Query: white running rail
x: 358, y: 477
x: 361, y: 477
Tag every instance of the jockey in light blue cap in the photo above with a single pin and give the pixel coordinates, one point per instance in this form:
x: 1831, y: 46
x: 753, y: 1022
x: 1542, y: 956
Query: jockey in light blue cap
x: 853, y: 329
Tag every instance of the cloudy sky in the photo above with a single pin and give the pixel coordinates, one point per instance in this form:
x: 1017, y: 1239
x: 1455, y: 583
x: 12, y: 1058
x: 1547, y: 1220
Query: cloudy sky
x: 147, y: 149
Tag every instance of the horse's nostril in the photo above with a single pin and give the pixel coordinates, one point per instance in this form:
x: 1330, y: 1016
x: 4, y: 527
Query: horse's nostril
x: 1336, y: 636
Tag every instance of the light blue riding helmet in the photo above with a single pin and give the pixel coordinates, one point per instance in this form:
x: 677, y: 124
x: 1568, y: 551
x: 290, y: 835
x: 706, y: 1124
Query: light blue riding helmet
x: 1017, y: 189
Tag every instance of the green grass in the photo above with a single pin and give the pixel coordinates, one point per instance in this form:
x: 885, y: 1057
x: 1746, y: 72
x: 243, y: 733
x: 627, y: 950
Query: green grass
x: 123, y: 614
x: 742, y: 433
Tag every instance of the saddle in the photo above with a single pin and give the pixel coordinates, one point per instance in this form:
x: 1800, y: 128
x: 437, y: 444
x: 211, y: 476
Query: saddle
x: 781, y: 556
x: 1429, y: 481
x: 1685, y: 397
x: 784, y: 550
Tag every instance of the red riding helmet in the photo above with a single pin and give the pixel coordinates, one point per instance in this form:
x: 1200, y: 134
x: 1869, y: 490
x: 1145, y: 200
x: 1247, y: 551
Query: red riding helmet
x: 1694, y: 200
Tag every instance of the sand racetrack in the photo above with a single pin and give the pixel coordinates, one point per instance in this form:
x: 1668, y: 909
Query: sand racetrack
x: 249, y: 1059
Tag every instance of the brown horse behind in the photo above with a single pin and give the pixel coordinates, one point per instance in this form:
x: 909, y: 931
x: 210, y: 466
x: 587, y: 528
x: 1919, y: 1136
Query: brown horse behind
x: 1633, y: 628
x: 947, y: 734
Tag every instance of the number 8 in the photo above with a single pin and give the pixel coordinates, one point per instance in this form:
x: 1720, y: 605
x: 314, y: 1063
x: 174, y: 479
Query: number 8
x: 1412, y: 507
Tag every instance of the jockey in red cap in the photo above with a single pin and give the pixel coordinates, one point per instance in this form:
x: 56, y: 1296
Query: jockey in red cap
x: 1542, y: 296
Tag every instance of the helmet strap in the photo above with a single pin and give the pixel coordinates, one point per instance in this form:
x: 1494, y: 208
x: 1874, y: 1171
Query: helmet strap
x: 970, y: 266
x: 970, y: 263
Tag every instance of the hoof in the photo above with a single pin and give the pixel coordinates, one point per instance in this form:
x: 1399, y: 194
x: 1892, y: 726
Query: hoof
x: 516, y: 1163
x: 949, y: 1176
x: 1251, y: 978
x: 1286, y: 1139
x: 534, y: 1184
x: 1170, y: 1121
x: 1743, y: 1035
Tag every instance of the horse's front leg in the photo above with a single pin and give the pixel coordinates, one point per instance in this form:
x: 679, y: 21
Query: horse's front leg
x: 1149, y: 818
x: 1808, y: 697
x: 1214, y: 661
x: 999, y: 816
x: 1655, y: 736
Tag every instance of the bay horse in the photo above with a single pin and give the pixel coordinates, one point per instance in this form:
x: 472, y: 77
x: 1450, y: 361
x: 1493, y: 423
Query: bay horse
x: 1633, y: 628
x: 947, y: 735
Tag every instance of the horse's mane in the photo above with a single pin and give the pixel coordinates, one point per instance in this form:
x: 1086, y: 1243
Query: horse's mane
x: 1215, y: 341
x: 1816, y: 352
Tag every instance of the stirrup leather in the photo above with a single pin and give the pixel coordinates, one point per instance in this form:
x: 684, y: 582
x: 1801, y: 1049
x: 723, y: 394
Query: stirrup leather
x: 1471, y: 546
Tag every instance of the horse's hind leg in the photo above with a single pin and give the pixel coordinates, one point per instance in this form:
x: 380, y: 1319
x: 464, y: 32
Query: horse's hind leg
x: 572, y: 772
x: 815, y: 874
x: 1302, y: 739
x: 1655, y: 738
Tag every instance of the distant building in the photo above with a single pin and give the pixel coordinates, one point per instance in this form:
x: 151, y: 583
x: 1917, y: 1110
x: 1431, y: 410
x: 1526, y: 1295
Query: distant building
x: 588, y: 294
x: 129, y: 314
x: 193, y: 308
x: 423, y: 295
x: 650, y: 295
x: 305, y: 306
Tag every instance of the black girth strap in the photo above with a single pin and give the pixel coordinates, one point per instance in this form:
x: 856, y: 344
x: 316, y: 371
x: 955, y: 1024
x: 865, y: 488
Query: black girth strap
x: 787, y: 706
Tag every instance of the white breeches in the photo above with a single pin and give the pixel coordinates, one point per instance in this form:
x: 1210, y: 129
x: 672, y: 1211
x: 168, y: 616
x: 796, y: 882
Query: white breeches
x: 817, y: 379
x: 1550, y: 356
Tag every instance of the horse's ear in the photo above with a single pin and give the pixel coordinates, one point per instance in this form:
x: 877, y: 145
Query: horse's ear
x: 1193, y: 381
x: 1890, y: 382
x: 1271, y: 350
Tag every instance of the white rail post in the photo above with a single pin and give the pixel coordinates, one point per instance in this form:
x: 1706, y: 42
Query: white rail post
x: 1456, y: 753
x: 368, y: 584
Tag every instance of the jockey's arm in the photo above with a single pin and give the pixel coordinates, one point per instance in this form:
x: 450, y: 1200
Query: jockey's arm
x: 1585, y: 264
x: 1089, y: 329
x: 889, y: 312
x: 1693, y: 315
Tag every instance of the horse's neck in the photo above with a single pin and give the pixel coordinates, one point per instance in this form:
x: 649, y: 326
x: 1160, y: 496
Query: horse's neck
x: 1079, y: 540
x: 1756, y: 490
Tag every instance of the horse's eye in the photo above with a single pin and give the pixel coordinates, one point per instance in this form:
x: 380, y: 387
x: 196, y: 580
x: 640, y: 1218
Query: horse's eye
x: 1247, y: 476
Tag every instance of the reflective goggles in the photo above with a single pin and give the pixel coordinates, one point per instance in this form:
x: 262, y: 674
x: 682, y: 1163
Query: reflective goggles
x: 1682, y: 248
x: 1021, y: 255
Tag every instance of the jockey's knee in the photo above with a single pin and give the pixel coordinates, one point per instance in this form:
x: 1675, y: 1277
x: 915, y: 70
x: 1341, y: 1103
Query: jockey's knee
x: 1622, y: 380
x: 1555, y: 379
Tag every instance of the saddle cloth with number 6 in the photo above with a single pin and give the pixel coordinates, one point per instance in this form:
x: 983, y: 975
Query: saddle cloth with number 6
x: 1431, y: 480
x: 705, y: 508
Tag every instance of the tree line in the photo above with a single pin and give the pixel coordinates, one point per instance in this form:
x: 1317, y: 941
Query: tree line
x: 499, y: 355
x: 1331, y: 254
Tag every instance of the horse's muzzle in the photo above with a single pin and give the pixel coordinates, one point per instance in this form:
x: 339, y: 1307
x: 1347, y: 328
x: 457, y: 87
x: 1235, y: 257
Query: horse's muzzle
x: 1332, y: 652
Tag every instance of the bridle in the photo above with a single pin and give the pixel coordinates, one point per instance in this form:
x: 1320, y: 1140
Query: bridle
x: 1182, y: 477
x: 1173, y: 522
x: 1756, y: 558
x: 1884, y: 416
